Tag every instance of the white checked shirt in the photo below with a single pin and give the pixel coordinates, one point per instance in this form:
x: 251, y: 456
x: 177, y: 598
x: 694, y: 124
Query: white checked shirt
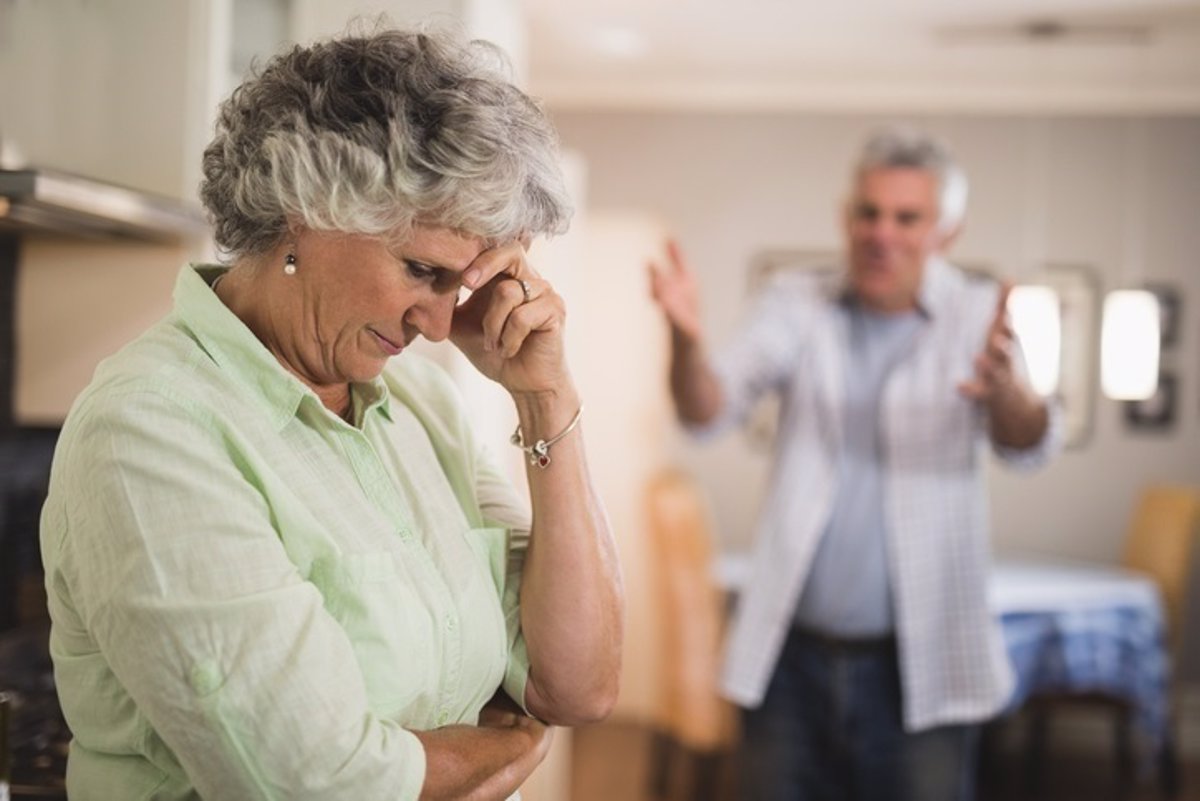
x: 953, y: 664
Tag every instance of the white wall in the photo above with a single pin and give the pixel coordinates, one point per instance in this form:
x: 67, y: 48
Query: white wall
x: 77, y: 304
x: 617, y: 359
x: 731, y: 185
x: 123, y: 91
x: 499, y: 21
x: 117, y: 90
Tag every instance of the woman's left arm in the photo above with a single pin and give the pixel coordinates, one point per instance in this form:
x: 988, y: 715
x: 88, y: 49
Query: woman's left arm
x: 571, y: 596
x: 571, y: 593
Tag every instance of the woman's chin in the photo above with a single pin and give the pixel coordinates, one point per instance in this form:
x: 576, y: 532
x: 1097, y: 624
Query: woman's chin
x: 366, y: 370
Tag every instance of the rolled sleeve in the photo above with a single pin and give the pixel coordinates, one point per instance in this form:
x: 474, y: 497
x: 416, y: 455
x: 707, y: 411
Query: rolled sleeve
x: 1040, y: 454
x: 762, y: 353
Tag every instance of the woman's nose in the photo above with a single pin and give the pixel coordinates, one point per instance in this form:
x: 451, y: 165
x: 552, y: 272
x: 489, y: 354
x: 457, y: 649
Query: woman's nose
x: 437, y: 312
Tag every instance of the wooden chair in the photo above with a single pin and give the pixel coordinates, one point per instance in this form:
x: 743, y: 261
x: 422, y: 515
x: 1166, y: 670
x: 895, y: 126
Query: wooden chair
x: 1159, y: 543
x: 695, y: 727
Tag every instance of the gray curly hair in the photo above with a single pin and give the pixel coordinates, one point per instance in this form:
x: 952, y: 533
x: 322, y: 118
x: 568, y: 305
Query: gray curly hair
x: 371, y: 134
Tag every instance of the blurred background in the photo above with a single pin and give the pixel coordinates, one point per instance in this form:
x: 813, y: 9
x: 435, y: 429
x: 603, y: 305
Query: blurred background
x: 731, y: 127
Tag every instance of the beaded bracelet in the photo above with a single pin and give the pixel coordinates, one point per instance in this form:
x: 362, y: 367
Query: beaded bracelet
x: 539, y: 452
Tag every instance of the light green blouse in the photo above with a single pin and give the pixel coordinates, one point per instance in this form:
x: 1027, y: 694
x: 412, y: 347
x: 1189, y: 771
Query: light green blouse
x: 251, y: 598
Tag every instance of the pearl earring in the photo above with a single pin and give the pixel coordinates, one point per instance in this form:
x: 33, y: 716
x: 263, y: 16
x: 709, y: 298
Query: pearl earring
x: 289, y: 264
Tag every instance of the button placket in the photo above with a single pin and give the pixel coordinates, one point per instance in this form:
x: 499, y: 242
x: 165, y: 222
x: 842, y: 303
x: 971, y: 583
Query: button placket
x: 453, y: 665
x: 373, y: 478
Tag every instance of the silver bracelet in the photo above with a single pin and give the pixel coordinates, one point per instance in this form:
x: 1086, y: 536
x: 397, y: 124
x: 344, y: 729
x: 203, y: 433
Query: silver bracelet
x: 539, y: 452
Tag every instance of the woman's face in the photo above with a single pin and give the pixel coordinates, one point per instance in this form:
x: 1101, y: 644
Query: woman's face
x: 362, y: 300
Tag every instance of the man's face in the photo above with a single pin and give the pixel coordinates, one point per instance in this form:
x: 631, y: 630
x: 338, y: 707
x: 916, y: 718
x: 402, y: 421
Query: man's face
x: 891, y: 229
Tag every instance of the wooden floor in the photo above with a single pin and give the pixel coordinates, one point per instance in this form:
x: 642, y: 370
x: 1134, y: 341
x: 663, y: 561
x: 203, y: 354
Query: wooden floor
x: 611, y: 762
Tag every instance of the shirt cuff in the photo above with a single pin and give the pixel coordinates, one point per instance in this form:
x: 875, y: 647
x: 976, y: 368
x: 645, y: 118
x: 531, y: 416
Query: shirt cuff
x: 1039, y: 454
x: 413, y: 757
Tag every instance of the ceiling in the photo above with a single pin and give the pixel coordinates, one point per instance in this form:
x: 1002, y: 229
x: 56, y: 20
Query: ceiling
x: 1067, y: 56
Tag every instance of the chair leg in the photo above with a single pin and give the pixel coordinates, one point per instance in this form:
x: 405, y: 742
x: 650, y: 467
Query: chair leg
x: 1168, y: 768
x: 1035, y: 751
x: 705, y: 773
x: 662, y: 752
x: 1123, y: 753
x: 985, y: 772
x: 727, y: 783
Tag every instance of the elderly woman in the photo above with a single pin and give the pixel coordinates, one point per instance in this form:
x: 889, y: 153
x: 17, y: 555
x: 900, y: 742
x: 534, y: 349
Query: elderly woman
x: 281, y: 568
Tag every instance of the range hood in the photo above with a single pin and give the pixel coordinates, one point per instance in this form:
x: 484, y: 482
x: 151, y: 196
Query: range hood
x: 37, y: 201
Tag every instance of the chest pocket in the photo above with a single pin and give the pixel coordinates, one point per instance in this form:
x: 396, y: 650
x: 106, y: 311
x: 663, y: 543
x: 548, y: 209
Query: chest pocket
x: 491, y: 549
x: 501, y: 622
x: 389, y: 625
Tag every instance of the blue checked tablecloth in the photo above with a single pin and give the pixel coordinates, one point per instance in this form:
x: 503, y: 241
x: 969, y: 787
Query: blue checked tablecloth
x: 1071, y: 627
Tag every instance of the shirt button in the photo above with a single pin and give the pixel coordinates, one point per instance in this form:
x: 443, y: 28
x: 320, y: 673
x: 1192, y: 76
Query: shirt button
x: 206, y: 678
x: 443, y: 717
x: 450, y: 624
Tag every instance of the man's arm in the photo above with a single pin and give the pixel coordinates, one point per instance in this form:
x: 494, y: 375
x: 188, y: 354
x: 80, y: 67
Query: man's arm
x: 694, y: 386
x: 1019, y: 417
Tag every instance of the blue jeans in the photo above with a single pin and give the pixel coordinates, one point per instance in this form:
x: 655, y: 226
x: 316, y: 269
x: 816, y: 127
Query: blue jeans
x: 830, y: 729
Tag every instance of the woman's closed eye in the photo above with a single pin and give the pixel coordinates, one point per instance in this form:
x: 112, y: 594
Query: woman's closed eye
x: 442, y: 281
x: 421, y: 272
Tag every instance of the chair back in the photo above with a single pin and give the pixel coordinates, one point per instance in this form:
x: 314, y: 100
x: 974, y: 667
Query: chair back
x: 691, y: 609
x: 1159, y: 543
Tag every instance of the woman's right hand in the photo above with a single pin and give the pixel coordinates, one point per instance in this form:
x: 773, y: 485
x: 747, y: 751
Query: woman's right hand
x: 539, y: 735
x: 511, y: 327
x: 673, y: 287
x: 488, y: 762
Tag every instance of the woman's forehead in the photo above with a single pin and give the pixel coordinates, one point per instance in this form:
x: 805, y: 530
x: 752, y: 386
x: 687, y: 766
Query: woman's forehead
x: 440, y: 246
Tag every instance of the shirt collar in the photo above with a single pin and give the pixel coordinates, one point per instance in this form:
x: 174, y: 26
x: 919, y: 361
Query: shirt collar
x: 935, y: 291
x: 235, y: 349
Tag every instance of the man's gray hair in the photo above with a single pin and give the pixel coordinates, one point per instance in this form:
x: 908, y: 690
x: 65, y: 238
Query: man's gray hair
x: 899, y: 146
x: 371, y: 134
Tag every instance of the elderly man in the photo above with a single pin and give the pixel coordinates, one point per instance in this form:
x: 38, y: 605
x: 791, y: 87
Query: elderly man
x: 862, y: 649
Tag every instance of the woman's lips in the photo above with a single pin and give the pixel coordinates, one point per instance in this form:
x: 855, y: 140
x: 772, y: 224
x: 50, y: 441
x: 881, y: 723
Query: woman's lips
x: 389, y: 347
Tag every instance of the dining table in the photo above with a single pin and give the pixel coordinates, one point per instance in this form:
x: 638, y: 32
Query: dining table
x: 1069, y: 626
x: 1085, y: 628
